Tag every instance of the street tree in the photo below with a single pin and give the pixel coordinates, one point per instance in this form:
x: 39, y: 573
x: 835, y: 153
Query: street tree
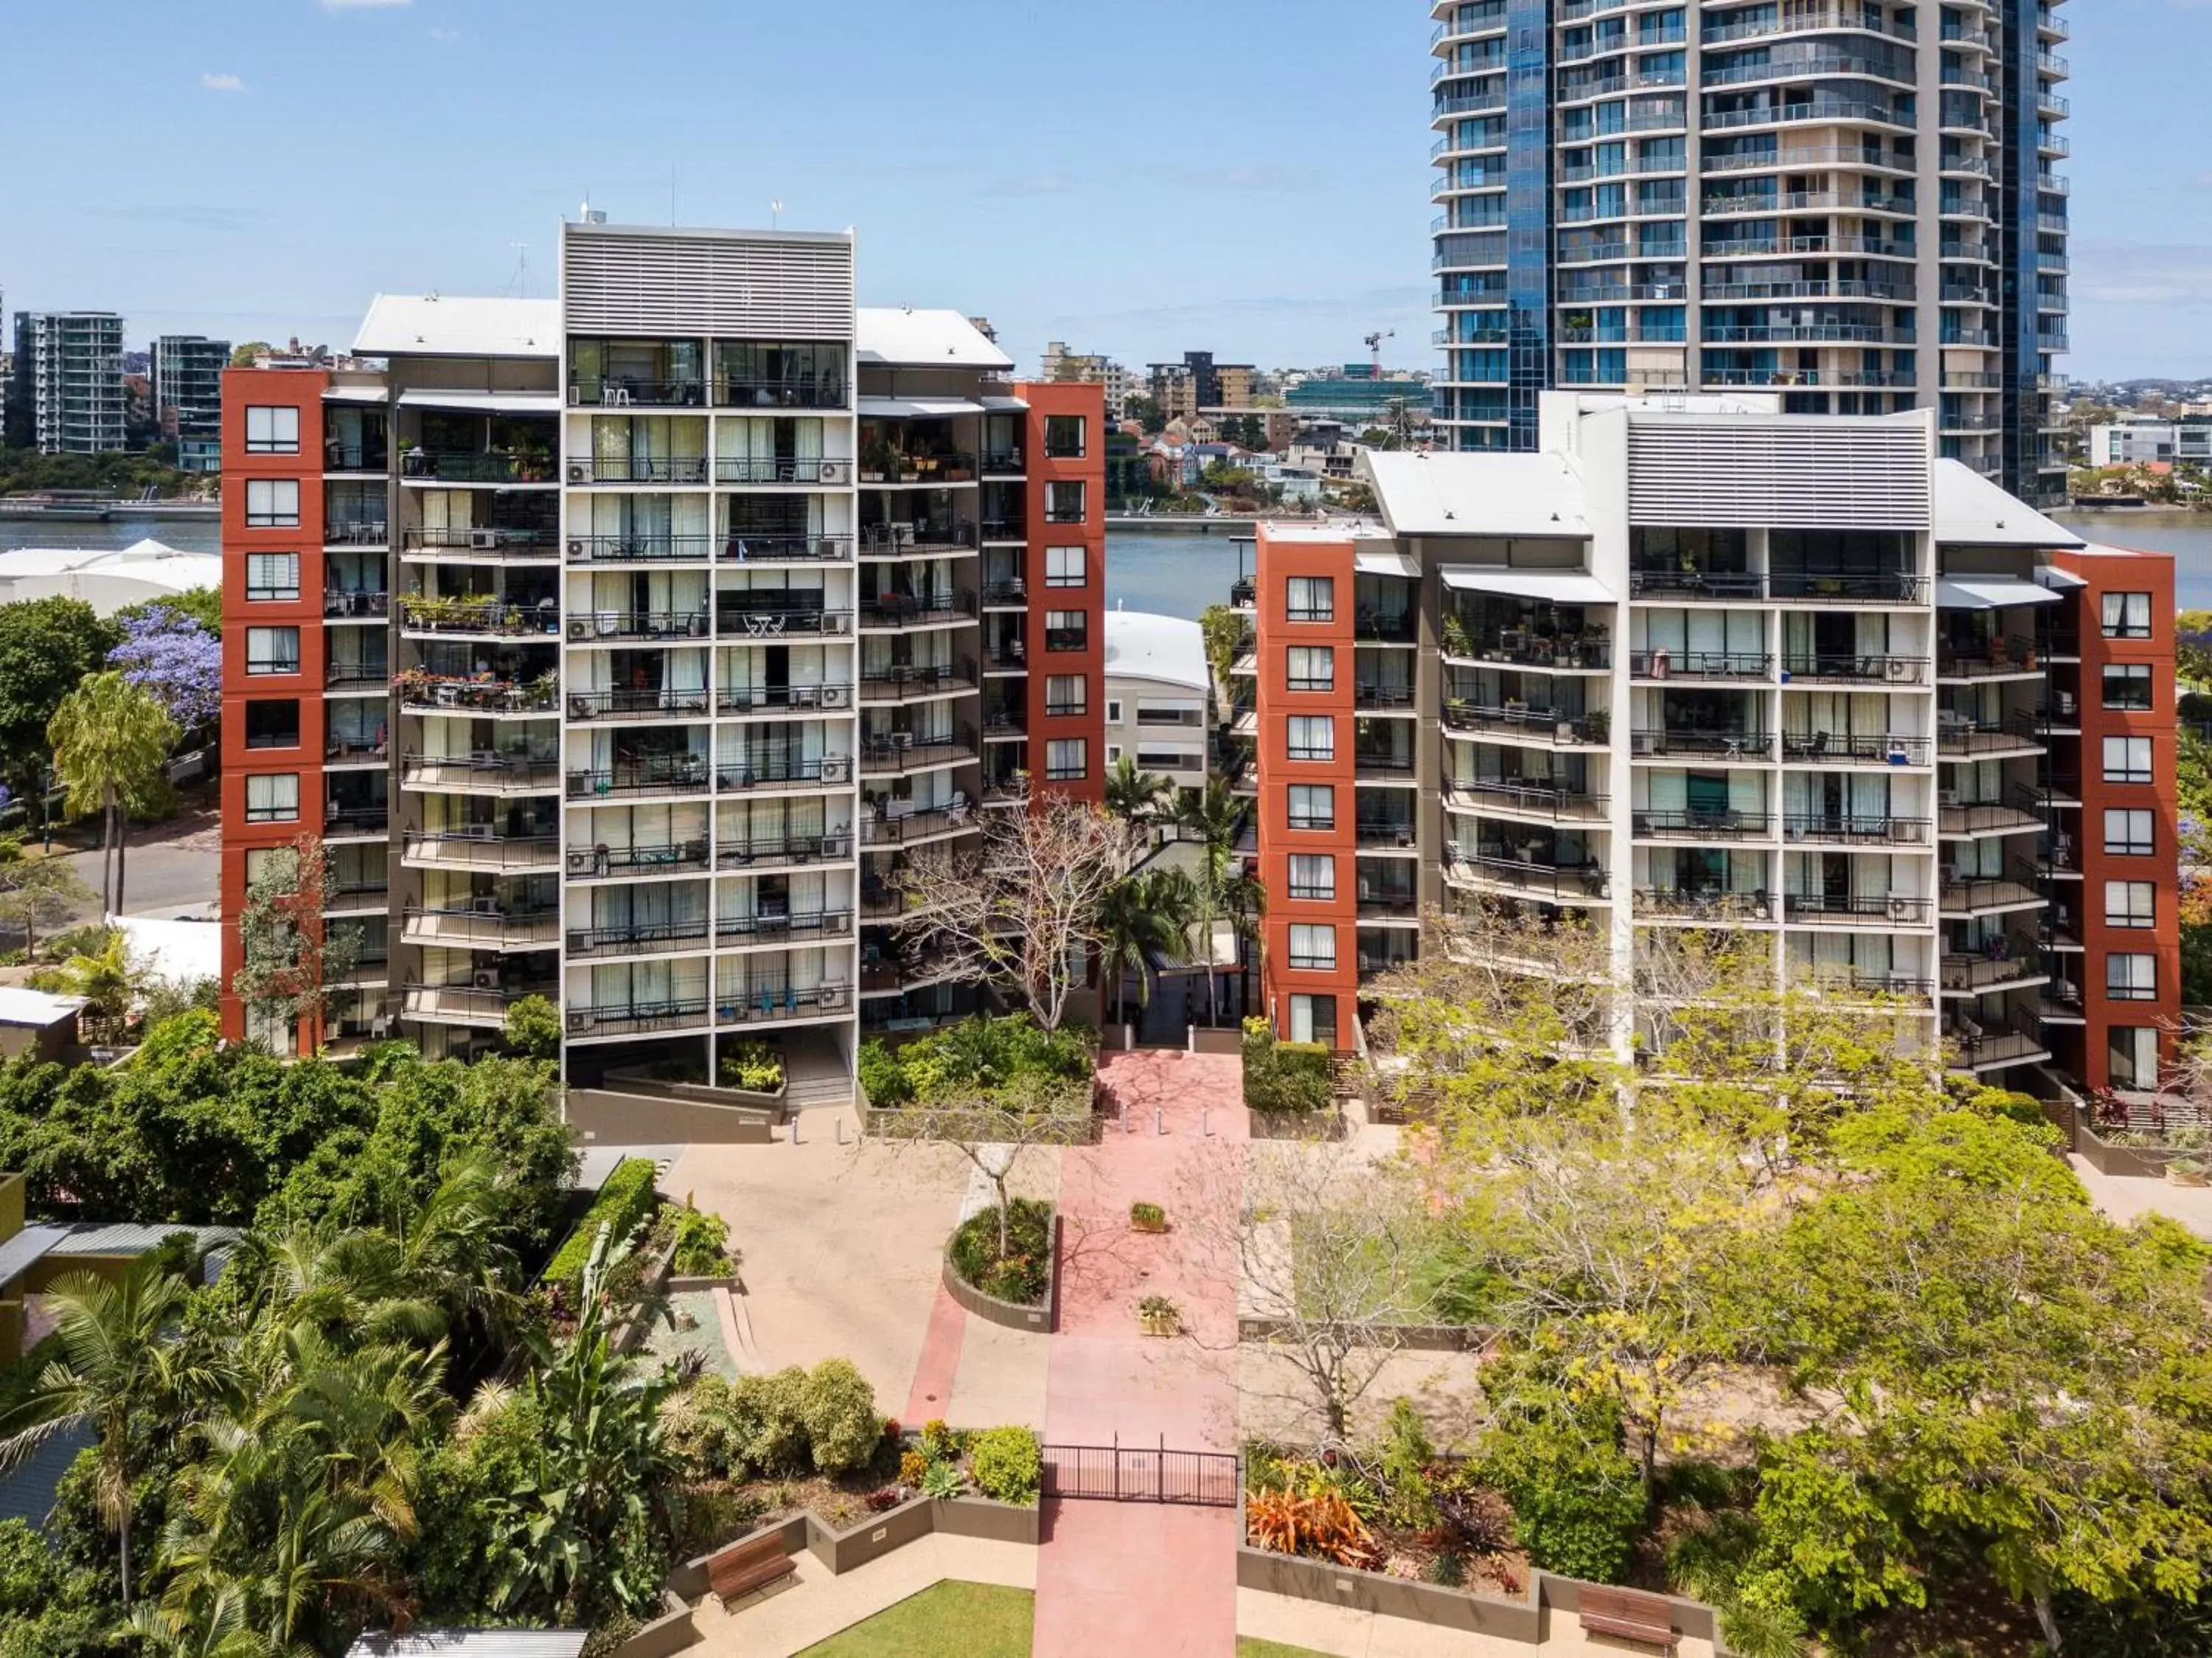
x: 291, y: 956
x: 111, y: 743
x: 46, y: 646
x: 39, y: 894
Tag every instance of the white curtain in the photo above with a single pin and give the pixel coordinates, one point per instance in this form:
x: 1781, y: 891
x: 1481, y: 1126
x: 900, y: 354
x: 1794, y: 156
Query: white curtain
x: 806, y: 438
x: 687, y: 676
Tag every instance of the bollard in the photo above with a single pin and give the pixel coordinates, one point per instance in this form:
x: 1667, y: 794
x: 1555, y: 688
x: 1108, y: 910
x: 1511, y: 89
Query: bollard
x: 1206, y: 1119
x: 841, y: 1131
x: 1156, y: 1129
x: 794, y: 1128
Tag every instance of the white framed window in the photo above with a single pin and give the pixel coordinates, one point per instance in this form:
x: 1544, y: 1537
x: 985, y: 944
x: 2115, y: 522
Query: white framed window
x: 272, y: 650
x: 272, y: 430
x: 2131, y: 1057
x: 2131, y: 976
x: 1067, y: 693
x: 1065, y: 758
x: 272, y: 503
x: 2126, y: 615
x: 2127, y: 760
x: 1310, y: 599
x: 1313, y: 946
x: 272, y: 797
x: 1313, y: 805
x: 1313, y: 1019
x: 1312, y: 737
x: 1064, y: 567
x: 2131, y: 904
x: 2129, y: 832
x: 1063, y: 502
x: 1313, y: 874
x: 1312, y: 668
x: 1066, y: 629
x: 273, y: 575
x: 1113, y: 710
x: 1113, y: 753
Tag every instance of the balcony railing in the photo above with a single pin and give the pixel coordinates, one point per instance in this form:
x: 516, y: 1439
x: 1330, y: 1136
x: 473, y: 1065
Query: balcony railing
x: 1846, y: 909
x: 338, y: 603
x: 1880, y: 830
x: 633, y: 1018
x: 463, y: 1004
x: 638, y: 703
x: 902, y: 610
x: 509, y: 773
x: 896, y: 679
x: 635, y: 391
x: 1727, y: 823
x: 776, y: 850
x: 483, y: 849
x: 773, y: 771
x: 905, y: 751
x: 1841, y: 748
x: 672, y: 774
x: 1713, y: 586
x: 768, y: 698
x: 356, y: 820
x: 796, y: 392
x: 610, y: 626
x: 641, y: 549
x: 419, y: 614
x: 431, y: 694
x: 1530, y: 800
x: 769, y: 1004
x: 1467, y: 717
x: 487, y: 928
x: 1847, y: 669
x: 946, y: 467
x: 1005, y: 529
x: 640, y: 937
x: 1527, y: 876
x: 356, y: 532
x: 889, y: 831
x: 477, y: 466
x: 1366, y: 695
x: 1704, y: 903
x: 915, y: 541
x: 1701, y: 665
x: 767, y: 929
x: 1848, y: 586
x: 784, y: 469
x: 1516, y: 646
x: 637, y: 469
x: 760, y: 621
x: 1714, y: 745
x: 507, y: 542
x: 1971, y: 1046
x: 601, y: 862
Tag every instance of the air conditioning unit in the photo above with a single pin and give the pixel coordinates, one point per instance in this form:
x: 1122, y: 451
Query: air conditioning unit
x: 834, y: 623
x: 834, y: 696
x: 579, y: 1020
x: 578, y: 473
x: 485, y: 979
x: 575, y: 397
x: 836, y: 471
x: 483, y: 541
x: 830, y: 996
x: 1900, y: 669
x: 1900, y: 909
x: 837, y: 768
x: 578, y: 628
x: 575, y: 546
x: 580, y: 708
x: 835, y: 846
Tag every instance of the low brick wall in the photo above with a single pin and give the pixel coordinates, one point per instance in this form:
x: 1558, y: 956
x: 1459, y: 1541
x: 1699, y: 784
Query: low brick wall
x: 1012, y: 1315
x: 2131, y: 1162
x: 621, y: 1118
x: 669, y: 1633
x: 772, y: 1106
x: 872, y: 1537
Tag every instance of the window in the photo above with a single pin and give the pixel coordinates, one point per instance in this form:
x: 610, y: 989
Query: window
x: 1313, y: 805
x: 1169, y: 759
x: 273, y: 575
x: 256, y: 861
x: 1063, y: 502
x: 2127, y: 615
x: 2128, y: 832
x: 273, y: 502
x: 2127, y: 685
x: 2130, y: 904
x: 272, y: 798
x: 1063, y: 567
x: 272, y: 725
x: 1063, y: 436
x: 1313, y: 1019
x: 272, y: 431
x: 1313, y: 737
x: 1066, y: 629
x: 272, y: 650
x: 1067, y: 693
x: 1311, y: 598
x: 1113, y: 710
x: 1313, y: 947
x: 1066, y: 759
x: 2131, y: 977
x: 1313, y: 667
x: 2127, y: 760
x: 2131, y: 1057
x: 1313, y: 874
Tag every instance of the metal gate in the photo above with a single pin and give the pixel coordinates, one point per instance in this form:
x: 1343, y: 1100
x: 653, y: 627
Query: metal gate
x: 1128, y: 1473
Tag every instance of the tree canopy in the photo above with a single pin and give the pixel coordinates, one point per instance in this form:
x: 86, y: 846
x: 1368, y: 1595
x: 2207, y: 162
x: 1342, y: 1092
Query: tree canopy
x: 46, y: 646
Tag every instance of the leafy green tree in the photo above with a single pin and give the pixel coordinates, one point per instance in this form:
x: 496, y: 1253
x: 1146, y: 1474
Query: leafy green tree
x: 46, y: 646
x: 1213, y: 816
x: 1145, y: 915
x: 39, y: 893
x: 203, y: 605
x: 1226, y: 631
x: 290, y: 957
x: 1137, y: 797
x: 106, y: 977
x: 110, y: 741
x: 533, y: 1027
x: 244, y: 354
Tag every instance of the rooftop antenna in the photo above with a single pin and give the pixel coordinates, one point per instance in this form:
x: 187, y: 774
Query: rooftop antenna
x: 521, y: 269
x: 774, y: 215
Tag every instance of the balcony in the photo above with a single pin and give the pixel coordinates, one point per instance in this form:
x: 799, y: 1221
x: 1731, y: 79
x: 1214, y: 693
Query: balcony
x: 908, y: 828
x: 1825, y: 668
x: 484, y: 926
x: 464, y: 1005
x: 812, y: 473
x: 1850, y: 749
x: 486, y: 772
x: 1815, y: 586
x: 624, y: 391
x: 1543, y: 726
x: 640, y: 938
x: 1959, y: 738
x: 895, y: 681
x: 653, y: 774
x: 2006, y: 658
x: 638, y: 469
x: 768, y: 928
x: 361, y: 532
x: 783, y: 699
x: 1696, y: 585
x: 1984, y: 896
x: 893, y: 752
x: 1737, y: 746
x: 1701, y: 665
x: 772, y: 770
x: 1725, y: 823
x: 1372, y: 697
x: 625, y: 626
x: 786, y: 619
x: 1838, y: 829
x: 590, y: 1022
x: 500, y: 542
x: 1386, y: 834
x: 497, y: 466
x: 1546, y: 802
x: 430, y: 693
x: 643, y: 547
x: 355, y: 606
x: 637, y: 704
x: 808, y: 388
x: 1704, y: 905
x: 604, y: 862
x: 2017, y: 967
x: 1848, y: 910
x: 352, y: 820
x: 901, y: 610
x: 1398, y: 627
x: 480, y: 847
x: 770, y: 1005
x: 1519, y: 647
x: 887, y: 465
x: 1005, y: 529
x: 1524, y: 877
x: 479, y: 615
x: 766, y: 855
x: 1970, y: 1046
x: 921, y: 539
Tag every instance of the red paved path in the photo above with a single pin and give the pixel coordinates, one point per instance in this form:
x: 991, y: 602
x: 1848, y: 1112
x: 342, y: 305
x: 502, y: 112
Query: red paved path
x: 939, y: 1362
x: 1142, y: 1578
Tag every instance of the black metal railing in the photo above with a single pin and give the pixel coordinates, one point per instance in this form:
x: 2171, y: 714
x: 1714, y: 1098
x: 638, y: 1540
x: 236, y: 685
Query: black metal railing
x: 1701, y: 665
x: 520, y: 771
x: 1537, y: 653
x: 1539, y: 800
x: 1726, y: 823
x: 421, y: 614
x: 763, y: 698
x: 772, y: 1002
x: 430, y: 693
x: 1586, y: 881
x: 914, y: 540
x: 637, y: 469
x: 505, y: 542
x: 767, y: 621
x: 1870, y: 830
x: 904, y: 751
x: 356, y: 820
x: 1849, y: 908
x: 779, y: 469
x: 356, y: 457
x: 1368, y: 695
x: 769, y: 771
x: 1385, y: 832
x: 636, y: 391
x: 1394, y: 627
x: 798, y: 391
x: 1716, y: 744
x: 477, y: 466
x: 1467, y: 716
x: 602, y: 860
x: 899, y: 609
x: 640, y: 547
x: 1705, y: 903
x: 1119, y: 1474
x: 783, y: 849
x: 641, y: 937
x: 772, y: 929
x: 623, y: 1019
x: 487, y: 848
x: 1838, y: 747
x: 339, y: 603
x: 906, y: 679
x: 638, y: 703
x: 1723, y: 586
x: 1848, y: 586
x: 653, y: 775
x: 1005, y: 529
x: 585, y: 626
x: 1846, y: 668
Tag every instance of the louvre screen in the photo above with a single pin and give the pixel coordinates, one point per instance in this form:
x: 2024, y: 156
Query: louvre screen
x: 657, y: 284
x: 1822, y: 474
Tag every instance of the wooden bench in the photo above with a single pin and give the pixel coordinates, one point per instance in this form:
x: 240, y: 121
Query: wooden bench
x: 737, y: 1571
x: 1629, y: 1614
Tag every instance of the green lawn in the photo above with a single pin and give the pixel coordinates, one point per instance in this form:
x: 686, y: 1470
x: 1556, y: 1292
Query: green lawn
x: 946, y: 1620
x: 1248, y: 1647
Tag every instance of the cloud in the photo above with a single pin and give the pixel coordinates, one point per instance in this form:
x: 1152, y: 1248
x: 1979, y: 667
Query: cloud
x: 361, y: 5
x: 196, y: 215
x: 445, y: 37
x: 2118, y: 273
x: 223, y: 83
x: 1033, y: 183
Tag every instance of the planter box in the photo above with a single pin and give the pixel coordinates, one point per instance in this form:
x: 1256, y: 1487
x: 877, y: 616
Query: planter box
x: 1012, y: 1315
x: 1160, y: 1324
x: 2128, y: 1162
x: 1326, y: 1125
x: 872, y: 1537
x: 706, y: 1093
x: 670, y: 1633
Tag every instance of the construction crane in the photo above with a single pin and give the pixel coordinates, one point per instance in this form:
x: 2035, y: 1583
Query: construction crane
x: 1375, y: 348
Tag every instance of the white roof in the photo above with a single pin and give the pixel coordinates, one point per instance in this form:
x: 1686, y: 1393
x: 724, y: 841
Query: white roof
x: 1386, y: 561
x: 1971, y: 511
x: 36, y: 1008
x: 356, y: 394
x: 1006, y: 405
x: 2060, y: 581
x: 1503, y: 495
x: 491, y: 402
x: 1560, y: 586
x: 917, y: 408
x: 1989, y: 593
x: 1141, y: 645
x: 473, y: 1644
x: 447, y: 324
x: 178, y: 953
x: 106, y: 578
x: 904, y: 337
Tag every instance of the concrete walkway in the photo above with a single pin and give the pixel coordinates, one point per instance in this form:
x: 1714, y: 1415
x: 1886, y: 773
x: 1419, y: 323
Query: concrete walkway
x: 1137, y: 1577
x: 813, y: 1604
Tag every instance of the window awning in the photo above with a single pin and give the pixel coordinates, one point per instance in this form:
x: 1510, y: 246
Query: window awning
x: 1989, y: 593
x: 1386, y: 561
x: 424, y: 397
x: 1560, y: 586
x: 917, y: 408
x: 356, y: 394
x: 2059, y: 580
x: 1005, y: 404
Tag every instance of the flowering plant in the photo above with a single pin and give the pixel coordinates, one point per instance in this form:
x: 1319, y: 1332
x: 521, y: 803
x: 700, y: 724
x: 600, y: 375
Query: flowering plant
x: 167, y: 652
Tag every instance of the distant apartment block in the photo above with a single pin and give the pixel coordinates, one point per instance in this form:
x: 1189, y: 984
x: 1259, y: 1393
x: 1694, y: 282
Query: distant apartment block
x: 1158, y: 696
x: 1856, y: 206
x: 2184, y: 442
x: 1198, y: 382
x: 1698, y: 663
x: 188, y: 372
x: 1088, y: 369
x: 67, y: 395
x: 624, y: 648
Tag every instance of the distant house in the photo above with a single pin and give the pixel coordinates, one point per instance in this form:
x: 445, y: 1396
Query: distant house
x: 1158, y: 684
x: 34, y: 1022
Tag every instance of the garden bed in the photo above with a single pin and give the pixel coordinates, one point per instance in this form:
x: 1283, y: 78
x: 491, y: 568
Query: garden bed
x: 971, y: 1081
x: 695, y: 1090
x: 1021, y: 1293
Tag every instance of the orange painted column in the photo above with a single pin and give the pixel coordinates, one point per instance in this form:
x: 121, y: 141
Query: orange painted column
x: 1053, y: 650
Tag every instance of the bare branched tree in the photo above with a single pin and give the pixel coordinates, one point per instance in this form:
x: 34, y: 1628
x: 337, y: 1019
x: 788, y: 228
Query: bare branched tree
x: 1022, y: 912
x: 995, y: 1135
x: 292, y: 956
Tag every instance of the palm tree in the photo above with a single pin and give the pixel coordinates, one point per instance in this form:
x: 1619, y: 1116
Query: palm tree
x: 122, y: 1369
x: 1245, y: 898
x: 110, y: 740
x: 105, y: 977
x: 1214, y: 817
x: 1137, y: 797
x: 1145, y: 916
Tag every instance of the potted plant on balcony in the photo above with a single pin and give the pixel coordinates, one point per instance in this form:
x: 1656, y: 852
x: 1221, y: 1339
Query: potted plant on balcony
x: 2188, y: 1171
x: 875, y: 460
x: 1157, y: 1315
x: 1457, y: 641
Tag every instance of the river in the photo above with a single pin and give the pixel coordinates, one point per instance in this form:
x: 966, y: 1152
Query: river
x: 1180, y: 573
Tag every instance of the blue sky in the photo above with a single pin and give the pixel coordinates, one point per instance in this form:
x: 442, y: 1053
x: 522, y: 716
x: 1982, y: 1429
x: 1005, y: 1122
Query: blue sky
x: 1137, y: 176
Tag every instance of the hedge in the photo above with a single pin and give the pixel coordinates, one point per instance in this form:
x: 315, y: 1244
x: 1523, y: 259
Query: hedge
x: 1284, y: 1075
x: 624, y: 1204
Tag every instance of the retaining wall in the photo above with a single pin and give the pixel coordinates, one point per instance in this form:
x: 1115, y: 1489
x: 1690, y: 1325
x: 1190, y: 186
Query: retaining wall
x: 623, y: 1119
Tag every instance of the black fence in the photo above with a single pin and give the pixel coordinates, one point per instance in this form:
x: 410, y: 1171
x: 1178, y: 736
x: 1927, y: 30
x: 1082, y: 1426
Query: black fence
x: 1124, y: 1474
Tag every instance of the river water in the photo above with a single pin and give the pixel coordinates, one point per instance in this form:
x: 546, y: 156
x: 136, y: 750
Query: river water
x: 1180, y: 572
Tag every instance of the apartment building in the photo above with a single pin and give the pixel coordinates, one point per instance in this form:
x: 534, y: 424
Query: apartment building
x: 1854, y: 204
x: 1090, y: 368
x: 1699, y: 662
x: 66, y: 397
x: 2186, y: 443
x: 188, y: 397
x: 620, y: 648
x: 1158, y: 696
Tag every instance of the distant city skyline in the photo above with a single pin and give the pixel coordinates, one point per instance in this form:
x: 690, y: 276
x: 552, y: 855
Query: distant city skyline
x: 1186, y: 178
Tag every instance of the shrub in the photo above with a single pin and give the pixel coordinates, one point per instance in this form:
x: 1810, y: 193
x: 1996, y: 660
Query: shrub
x: 943, y: 1480
x: 702, y: 1243
x: 1284, y: 1075
x: 939, y: 1442
x: 1024, y: 1275
x: 1316, y: 1523
x: 697, y: 1423
x: 1406, y: 1455
x: 1577, y: 1498
x: 533, y: 1027
x: 753, y: 1066
x: 882, y: 1078
x: 624, y: 1204
x: 1008, y: 1464
x: 839, y: 1409
x: 913, y: 1467
x: 883, y: 1499
x: 768, y: 1421
x: 1148, y: 1215
x: 1009, y: 1061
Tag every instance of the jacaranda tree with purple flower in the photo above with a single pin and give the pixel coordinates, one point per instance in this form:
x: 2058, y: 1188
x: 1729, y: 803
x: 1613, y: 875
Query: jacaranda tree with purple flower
x: 168, y: 652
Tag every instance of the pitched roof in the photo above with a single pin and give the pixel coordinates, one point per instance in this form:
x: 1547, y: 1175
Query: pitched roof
x: 443, y: 325
x: 1971, y: 511
x: 902, y: 338
x: 1495, y: 495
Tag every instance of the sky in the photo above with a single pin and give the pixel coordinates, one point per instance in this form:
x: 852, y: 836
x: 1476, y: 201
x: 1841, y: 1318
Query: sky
x: 1137, y: 177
